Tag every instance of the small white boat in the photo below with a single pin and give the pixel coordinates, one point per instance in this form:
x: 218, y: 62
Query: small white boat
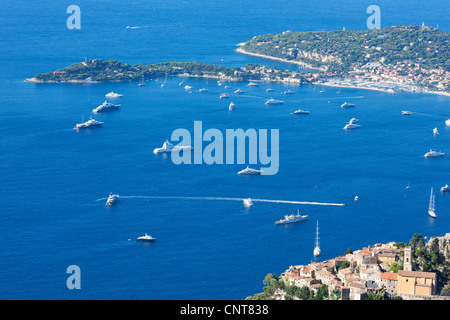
x: 181, y: 83
x: 406, y: 113
x: 250, y: 171
x: 349, y: 126
x: 435, y: 131
x: 316, y: 251
x: 227, y: 87
x: 239, y: 91
x: 348, y: 105
x: 433, y: 154
x: 447, y: 122
x: 113, y: 94
x: 224, y: 95
x: 289, y: 92
x: 252, y: 84
x: 248, y: 202
x: 300, y: 111
x: 112, y: 199
x: 322, y: 91
x: 203, y: 90
x: 431, y: 209
x: 168, y: 147
x: 269, y: 89
x: 274, y: 101
x: 231, y: 106
x: 445, y: 188
x: 147, y: 237
x: 353, y: 121
x: 91, y: 123
x: 187, y: 87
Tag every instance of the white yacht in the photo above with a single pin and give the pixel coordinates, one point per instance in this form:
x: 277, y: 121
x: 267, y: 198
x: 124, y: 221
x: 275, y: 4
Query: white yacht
x: 91, y: 123
x: 300, y: 111
x: 147, y: 237
x: 224, y: 95
x: 239, y: 91
x: 252, y: 84
x: 168, y: 147
x: 433, y: 154
x: 351, y: 126
x: 435, y: 131
x: 431, y: 210
x: 316, y: 251
x: 289, y: 92
x: 250, y: 171
x: 406, y: 113
x: 112, y: 199
x: 203, y: 90
x: 348, y: 105
x: 353, y: 121
x: 106, y: 106
x: 187, y: 87
x: 248, y: 202
x: 447, y: 122
x: 231, y: 106
x: 445, y: 188
x: 292, y: 218
x: 274, y: 101
x: 269, y: 89
x: 113, y: 94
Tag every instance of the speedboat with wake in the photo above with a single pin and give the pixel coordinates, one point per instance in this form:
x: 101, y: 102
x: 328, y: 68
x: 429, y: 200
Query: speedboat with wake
x: 239, y: 91
x: 248, y: 202
x: 406, y: 113
x: 292, y: 218
x: 112, y: 199
x: 433, y: 154
x: 445, y: 188
x: 106, y: 106
x: 431, y: 209
x: 250, y: 171
x: 348, y: 105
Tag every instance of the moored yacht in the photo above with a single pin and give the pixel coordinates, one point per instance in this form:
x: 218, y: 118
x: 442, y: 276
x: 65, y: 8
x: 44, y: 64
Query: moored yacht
x: 433, y: 154
x: 168, y: 147
x: 348, y: 105
x: 274, y: 101
x: 224, y: 95
x: 106, y: 106
x: 91, y: 123
x: 292, y: 218
x: 300, y: 111
x: 203, y: 90
x: 112, y: 199
x: 250, y: 171
x: 113, y: 94
x: 147, y: 237
x: 289, y: 92
x: 239, y: 91
x: 252, y: 84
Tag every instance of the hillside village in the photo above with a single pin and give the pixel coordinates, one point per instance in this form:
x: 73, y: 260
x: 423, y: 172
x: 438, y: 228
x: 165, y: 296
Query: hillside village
x: 381, y: 271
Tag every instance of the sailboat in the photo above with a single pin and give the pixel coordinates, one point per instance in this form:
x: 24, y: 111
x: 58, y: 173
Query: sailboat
x: 165, y: 81
x: 431, y: 206
x: 316, y: 246
x: 142, y: 83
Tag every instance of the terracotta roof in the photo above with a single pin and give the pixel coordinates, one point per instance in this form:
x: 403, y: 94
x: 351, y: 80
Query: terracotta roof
x: 417, y: 274
x: 388, y: 276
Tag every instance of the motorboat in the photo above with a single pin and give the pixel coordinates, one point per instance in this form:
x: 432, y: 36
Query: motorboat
x: 433, y: 154
x: 227, y: 87
x: 351, y: 126
x: 248, y: 202
x: 289, y: 92
x: 300, y: 111
x: 146, y: 238
x: 269, y: 89
x: 203, y: 90
x: 435, y: 131
x: 91, y: 123
x: 274, y: 101
x: 447, y: 122
x: 292, y: 218
x: 106, y: 106
x: 239, y: 91
x: 112, y: 199
x: 113, y: 94
x: 250, y: 171
x: 224, y: 95
x: 431, y: 208
x: 406, y: 113
x: 348, y: 105
x: 231, y: 106
x: 252, y: 84
x: 445, y: 188
x: 316, y: 251
x: 187, y: 87
x: 169, y: 147
x: 353, y: 121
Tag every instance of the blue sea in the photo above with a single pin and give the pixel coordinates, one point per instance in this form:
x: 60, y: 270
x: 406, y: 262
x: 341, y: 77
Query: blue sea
x: 54, y: 181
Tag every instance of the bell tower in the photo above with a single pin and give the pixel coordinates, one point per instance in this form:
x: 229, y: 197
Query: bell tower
x: 407, y: 262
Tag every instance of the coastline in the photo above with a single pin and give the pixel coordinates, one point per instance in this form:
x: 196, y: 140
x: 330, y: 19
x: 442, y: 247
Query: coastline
x: 302, y: 64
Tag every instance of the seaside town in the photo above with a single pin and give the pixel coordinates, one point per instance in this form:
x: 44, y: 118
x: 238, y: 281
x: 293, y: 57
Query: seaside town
x: 381, y: 271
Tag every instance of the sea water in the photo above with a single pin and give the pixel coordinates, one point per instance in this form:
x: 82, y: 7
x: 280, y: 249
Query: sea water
x: 54, y: 180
